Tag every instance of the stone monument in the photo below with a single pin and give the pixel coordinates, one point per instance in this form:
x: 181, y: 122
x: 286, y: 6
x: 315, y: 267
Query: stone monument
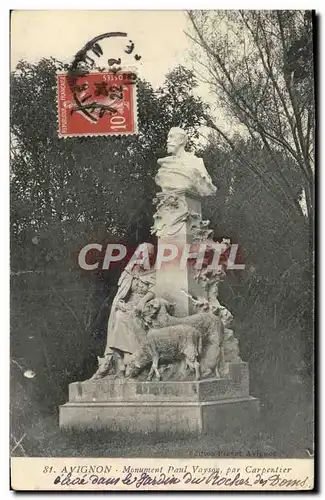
x: 172, y: 361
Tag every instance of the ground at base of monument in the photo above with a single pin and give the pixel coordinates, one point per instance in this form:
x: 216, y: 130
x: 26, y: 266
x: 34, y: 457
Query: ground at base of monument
x: 284, y: 430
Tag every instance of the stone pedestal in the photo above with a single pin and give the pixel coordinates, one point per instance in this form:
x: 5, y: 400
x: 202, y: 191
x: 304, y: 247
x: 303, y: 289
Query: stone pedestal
x: 132, y: 405
x: 177, y: 214
x: 172, y: 406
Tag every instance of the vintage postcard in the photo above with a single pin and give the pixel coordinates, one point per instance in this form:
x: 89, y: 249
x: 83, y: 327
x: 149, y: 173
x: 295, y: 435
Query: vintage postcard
x: 162, y: 250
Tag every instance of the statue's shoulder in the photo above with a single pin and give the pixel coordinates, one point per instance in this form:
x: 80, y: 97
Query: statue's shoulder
x: 193, y: 160
x: 167, y: 161
x: 192, y: 156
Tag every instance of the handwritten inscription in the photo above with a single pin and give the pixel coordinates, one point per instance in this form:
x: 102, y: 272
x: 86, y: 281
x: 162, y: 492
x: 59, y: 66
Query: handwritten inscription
x: 196, y: 476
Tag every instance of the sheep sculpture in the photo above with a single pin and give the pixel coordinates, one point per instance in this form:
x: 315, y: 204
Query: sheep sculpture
x: 197, y: 338
x: 168, y: 344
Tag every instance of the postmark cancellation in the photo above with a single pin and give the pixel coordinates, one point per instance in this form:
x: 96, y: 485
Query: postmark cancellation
x: 96, y: 104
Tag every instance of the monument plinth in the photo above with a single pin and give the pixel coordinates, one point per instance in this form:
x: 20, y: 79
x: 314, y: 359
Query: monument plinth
x: 178, y: 212
x: 169, y: 326
x: 171, y: 406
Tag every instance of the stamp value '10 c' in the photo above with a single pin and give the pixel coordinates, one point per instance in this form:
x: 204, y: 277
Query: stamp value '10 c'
x: 101, y: 103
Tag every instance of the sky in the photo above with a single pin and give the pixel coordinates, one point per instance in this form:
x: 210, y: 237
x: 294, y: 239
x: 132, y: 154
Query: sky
x: 158, y: 37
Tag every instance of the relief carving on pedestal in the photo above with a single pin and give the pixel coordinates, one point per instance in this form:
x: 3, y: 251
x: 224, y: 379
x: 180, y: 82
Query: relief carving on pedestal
x: 170, y: 216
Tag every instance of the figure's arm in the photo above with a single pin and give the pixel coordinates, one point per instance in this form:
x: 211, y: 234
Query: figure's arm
x: 121, y: 305
x: 149, y: 296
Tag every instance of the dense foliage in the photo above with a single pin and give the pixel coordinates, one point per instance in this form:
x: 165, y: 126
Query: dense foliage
x: 259, y: 67
x: 66, y: 193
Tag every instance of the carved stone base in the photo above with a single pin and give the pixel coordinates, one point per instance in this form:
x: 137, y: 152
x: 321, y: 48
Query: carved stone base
x: 171, y: 406
x: 164, y: 416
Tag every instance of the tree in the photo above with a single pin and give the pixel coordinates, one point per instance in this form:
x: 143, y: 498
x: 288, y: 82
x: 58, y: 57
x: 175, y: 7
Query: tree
x: 260, y: 65
x: 274, y: 290
x: 66, y: 193
x: 56, y: 181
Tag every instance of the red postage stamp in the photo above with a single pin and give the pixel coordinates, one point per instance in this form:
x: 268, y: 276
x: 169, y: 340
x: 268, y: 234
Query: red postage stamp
x: 101, y: 103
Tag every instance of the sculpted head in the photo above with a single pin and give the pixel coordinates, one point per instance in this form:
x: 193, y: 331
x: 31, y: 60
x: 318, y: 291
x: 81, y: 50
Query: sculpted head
x: 176, y: 140
x: 143, y: 257
x: 147, y: 248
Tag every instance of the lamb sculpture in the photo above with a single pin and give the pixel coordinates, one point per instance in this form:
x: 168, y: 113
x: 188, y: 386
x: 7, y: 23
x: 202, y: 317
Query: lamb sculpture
x: 197, y: 338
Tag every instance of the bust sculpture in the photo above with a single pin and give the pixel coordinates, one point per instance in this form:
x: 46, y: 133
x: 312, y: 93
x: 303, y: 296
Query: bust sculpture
x: 182, y: 170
